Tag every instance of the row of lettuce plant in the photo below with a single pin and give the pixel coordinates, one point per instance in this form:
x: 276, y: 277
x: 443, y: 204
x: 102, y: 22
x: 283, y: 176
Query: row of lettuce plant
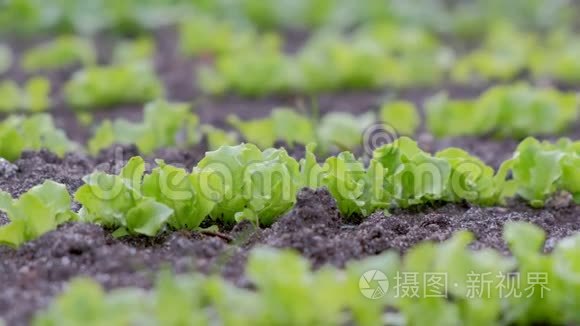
x: 242, y: 182
x: 508, y: 111
x: 130, y: 77
x: 170, y: 124
x: 466, y: 20
x: 374, y: 56
x: 514, y: 110
x: 70, y: 51
x: 507, y: 53
x: 434, y: 283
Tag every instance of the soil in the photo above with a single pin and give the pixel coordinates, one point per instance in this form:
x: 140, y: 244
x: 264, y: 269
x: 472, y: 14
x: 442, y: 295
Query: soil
x: 33, y: 274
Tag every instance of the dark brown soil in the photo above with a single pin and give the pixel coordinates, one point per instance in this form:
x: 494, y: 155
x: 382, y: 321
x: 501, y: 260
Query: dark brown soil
x: 38, y: 270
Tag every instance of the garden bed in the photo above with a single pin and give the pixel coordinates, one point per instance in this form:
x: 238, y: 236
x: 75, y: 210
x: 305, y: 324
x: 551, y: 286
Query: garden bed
x: 37, y: 272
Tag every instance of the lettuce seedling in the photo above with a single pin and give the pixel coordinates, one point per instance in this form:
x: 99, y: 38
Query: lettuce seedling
x: 139, y: 50
x: 524, y: 110
x: 218, y: 137
x: 571, y: 175
x: 536, y: 170
x: 180, y: 191
x: 283, y: 124
x: 39, y: 210
x: 36, y: 94
x: 33, y: 133
x: 343, y: 131
x: 116, y: 201
x: 344, y: 178
x: 356, y: 189
x: 414, y: 176
x: 96, y: 87
x: 255, y: 185
x: 445, y: 117
x: 61, y: 52
x: 284, y: 280
x: 33, y: 96
x: 87, y: 302
x: 10, y: 96
x: 514, y: 110
x: 243, y: 72
x: 258, y: 131
x: 474, y: 181
x: 203, y: 34
x: 402, y: 116
x: 164, y: 124
x: 330, y: 62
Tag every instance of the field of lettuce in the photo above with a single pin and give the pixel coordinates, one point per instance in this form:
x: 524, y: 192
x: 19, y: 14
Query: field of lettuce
x: 289, y: 162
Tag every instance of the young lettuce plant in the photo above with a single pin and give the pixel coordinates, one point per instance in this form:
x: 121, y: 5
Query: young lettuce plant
x: 241, y: 71
x: 251, y: 184
x: 180, y: 191
x: 283, y: 124
x: 343, y: 131
x: 536, y: 170
x: 164, y: 124
x: 203, y: 34
x: 541, y: 169
x: 117, y: 201
x: 33, y: 133
x: 330, y: 62
x: 474, y: 181
x: 61, y: 52
x: 139, y: 50
x: 508, y: 111
x: 34, y: 96
x: 217, y: 137
x: 358, y: 191
x: 10, y: 96
x: 523, y: 110
x: 39, y: 210
x: 402, y: 116
x: 414, y: 177
x: 96, y: 87
x: 570, y: 180
x: 446, y: 117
